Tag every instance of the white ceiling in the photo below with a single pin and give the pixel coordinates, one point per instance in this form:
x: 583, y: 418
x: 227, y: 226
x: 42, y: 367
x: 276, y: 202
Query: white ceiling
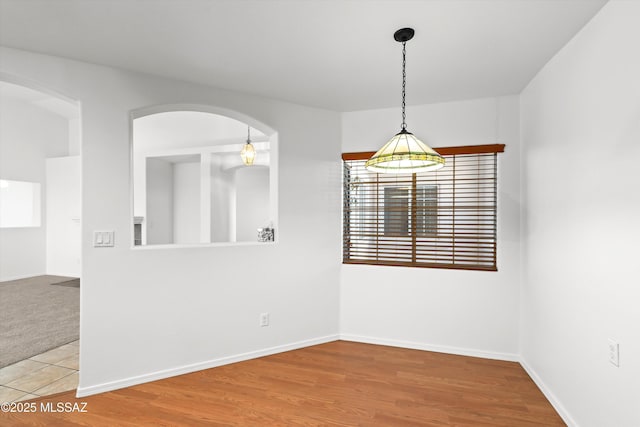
x: 335, y: 54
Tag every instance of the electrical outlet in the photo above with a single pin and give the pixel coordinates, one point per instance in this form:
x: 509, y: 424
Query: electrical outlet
x: 264, y: 319
x: 614, y: 353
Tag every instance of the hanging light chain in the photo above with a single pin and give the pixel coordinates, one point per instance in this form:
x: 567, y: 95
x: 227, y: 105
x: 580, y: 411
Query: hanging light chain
x: 404, y: 83
x: 248, y: 135
x: 404, y: 153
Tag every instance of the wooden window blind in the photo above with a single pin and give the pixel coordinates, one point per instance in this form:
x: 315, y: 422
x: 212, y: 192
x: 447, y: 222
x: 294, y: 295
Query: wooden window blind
x: 442, y: 219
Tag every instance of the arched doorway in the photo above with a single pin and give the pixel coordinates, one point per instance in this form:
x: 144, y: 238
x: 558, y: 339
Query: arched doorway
x: 40, y: 247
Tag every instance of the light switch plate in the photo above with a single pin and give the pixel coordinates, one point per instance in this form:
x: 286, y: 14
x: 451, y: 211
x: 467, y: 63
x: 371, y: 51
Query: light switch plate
x: 103, y: 239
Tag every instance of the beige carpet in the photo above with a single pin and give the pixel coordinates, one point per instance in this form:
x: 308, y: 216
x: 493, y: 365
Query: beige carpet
x: 36, y: 317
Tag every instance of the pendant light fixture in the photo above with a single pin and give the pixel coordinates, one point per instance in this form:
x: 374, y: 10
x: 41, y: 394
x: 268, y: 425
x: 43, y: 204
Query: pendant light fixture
x: 248, y: 153
x: 404, y: 153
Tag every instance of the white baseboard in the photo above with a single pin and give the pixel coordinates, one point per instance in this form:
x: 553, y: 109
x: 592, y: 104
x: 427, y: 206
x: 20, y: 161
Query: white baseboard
x: 557, y: 405
x: 24, y: 276
x: 159, y: 375
x: 510, y: 357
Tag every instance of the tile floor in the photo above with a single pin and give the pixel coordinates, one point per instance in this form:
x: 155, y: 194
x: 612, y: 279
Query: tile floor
x: 51, y: 372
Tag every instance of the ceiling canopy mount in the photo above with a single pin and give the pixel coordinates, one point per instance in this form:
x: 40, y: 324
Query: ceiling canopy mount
x: 404, y: 35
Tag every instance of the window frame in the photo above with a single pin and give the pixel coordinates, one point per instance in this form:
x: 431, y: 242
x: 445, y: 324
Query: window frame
x: 413, y: 212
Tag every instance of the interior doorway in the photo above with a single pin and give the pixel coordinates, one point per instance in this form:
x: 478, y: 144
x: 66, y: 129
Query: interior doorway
x: 40, y: 241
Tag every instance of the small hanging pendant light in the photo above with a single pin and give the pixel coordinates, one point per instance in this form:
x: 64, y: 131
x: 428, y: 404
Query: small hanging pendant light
x: 404, y: 153
x: 248, y: 153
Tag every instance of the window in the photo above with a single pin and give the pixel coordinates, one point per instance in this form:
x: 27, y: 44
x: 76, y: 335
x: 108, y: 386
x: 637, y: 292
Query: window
x: 444, y: 219
x: 19, y: 204
x: 398, y: 212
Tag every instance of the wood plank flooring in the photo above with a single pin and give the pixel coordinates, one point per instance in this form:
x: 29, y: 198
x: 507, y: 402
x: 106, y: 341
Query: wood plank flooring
x: 336, y: 384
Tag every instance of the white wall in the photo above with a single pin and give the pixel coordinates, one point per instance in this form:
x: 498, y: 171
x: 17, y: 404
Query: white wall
x: 152, y: 312
x: 28, y: 134
x: 186, y: 202
x: 222, y: 198
x: 581, y: 145
x: 63, y: 216
x: 252, y: 202
x: 468, y: 312
x: 158, y: 220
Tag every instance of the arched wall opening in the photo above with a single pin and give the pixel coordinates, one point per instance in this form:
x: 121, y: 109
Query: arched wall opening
x: 190, y: 185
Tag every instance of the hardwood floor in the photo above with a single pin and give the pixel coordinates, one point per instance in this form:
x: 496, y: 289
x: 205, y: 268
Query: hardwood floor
x: 336, y: 384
